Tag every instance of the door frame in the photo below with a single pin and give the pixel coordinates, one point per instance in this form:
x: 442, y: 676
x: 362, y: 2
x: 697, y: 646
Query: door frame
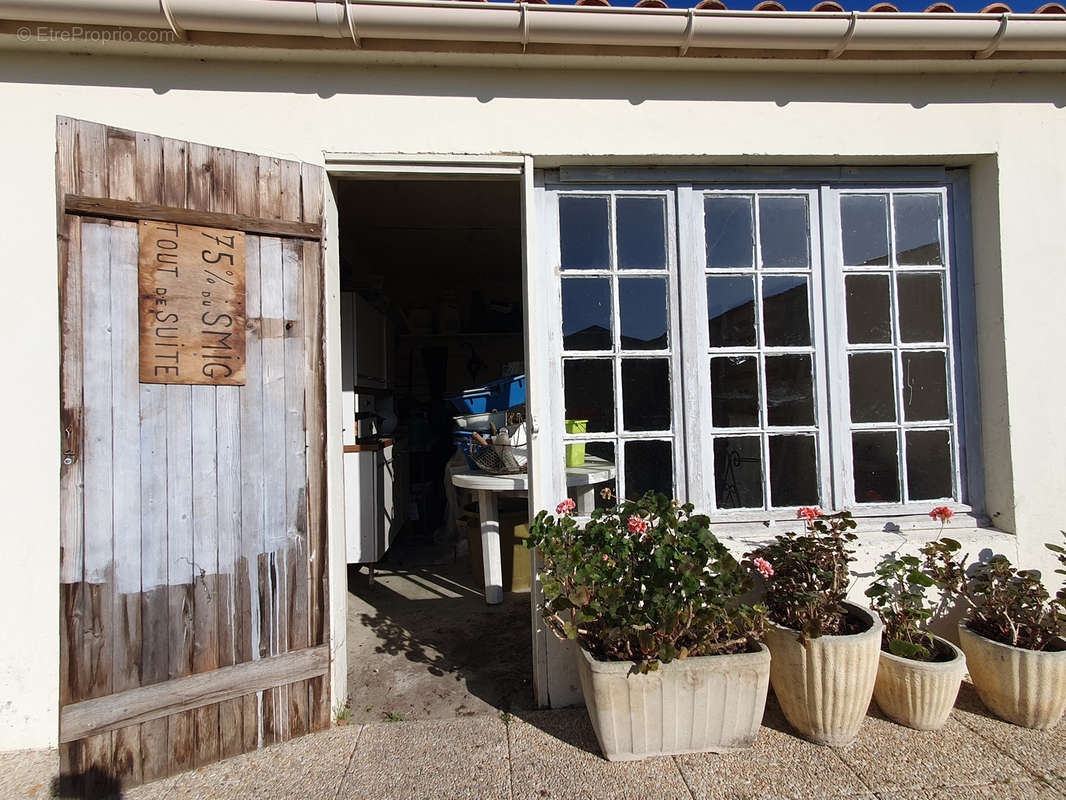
x: 545, y: 483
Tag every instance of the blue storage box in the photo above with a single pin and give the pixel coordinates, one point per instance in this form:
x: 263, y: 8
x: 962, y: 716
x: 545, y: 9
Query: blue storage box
x: 496, y: 396
x: 463, y: 440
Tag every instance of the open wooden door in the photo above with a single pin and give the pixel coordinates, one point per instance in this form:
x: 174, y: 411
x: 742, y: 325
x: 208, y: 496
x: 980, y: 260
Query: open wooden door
x: 194, y: 616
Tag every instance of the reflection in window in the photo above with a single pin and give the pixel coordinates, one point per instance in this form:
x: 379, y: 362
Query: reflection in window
x: 917, y: 219
x: 738, y: 472
x: 728, y: 231
x: 784, y: 232
x: 793, y: 471
x: 642, y: 307
x: 864, y: 227
x: 731, y: 310
x: 583, y: 233
x: 587, y: 314
x: 784, y: 311
x: 641, y: 232
x: 735, y: 392
x: 875, y: 461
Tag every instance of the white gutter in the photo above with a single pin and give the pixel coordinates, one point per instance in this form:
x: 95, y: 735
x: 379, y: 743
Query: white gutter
x: 970, y: 35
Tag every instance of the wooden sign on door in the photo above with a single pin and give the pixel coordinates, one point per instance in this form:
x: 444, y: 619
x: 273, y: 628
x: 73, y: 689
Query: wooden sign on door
x: 191, y: 282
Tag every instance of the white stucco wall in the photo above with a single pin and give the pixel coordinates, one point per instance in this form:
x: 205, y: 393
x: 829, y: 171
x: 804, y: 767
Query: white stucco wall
x: 1011, y: 128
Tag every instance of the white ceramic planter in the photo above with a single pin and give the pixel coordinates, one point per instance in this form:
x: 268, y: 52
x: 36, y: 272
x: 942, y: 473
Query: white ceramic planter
x: 919, y: 694
x: 695, y: 705
x: 1026, y: 687
x: 824, y: 685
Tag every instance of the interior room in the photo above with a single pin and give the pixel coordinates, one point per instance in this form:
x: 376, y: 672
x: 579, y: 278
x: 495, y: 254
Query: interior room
x: 431, y: 308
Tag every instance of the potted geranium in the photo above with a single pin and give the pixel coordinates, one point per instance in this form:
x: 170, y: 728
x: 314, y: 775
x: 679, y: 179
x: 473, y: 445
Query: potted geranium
x: 919, y: 674
x: 1011, y: 635
x: 653, y: 600
x: 824, y: 649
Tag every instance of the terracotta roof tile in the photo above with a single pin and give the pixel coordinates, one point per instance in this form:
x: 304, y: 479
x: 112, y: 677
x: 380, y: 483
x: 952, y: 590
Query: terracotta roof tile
x: 884, y: 8
x: 829, y: 5
x: 824, y: 6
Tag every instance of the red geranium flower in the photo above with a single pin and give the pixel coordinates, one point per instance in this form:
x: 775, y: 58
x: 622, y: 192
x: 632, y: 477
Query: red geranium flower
x: 764, y: 567
x: 637, y: 525
x: 565, y: 507
x: 942, y: 514
x: 809, y: 513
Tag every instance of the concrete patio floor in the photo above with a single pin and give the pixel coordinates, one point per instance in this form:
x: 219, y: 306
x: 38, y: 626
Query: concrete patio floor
x: 553, y: 754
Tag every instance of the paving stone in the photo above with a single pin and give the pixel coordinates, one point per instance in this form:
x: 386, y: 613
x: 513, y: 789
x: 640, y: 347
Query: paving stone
x: 1043, y: 752
x: 554, y: 754
x: 452, y: 759
x: 309, y: 767
x: 1016, y: 790
x: 28, y: 773
x: 888, y: 756
x: 780, y: 765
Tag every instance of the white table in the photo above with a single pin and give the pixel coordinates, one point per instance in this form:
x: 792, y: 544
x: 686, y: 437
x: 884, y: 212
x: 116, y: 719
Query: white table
x: 488, y: 487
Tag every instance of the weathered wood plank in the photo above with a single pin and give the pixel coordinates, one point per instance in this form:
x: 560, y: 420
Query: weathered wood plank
x: 71, y: 544
x: 102, y: 714
x: 181, y: 734
x: 94, y: 206
x: 98, y: 449
x: 295, y: 577
x: 200, y: 177
x: 155, y: 642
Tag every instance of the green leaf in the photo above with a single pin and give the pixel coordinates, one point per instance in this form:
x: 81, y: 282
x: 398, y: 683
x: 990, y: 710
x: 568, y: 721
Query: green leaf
x: 922, y: 579
x: 904, y: 649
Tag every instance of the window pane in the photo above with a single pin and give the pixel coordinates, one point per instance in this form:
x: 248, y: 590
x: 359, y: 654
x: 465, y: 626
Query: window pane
x: 793, y: 471
x: 641, y: 232
x: 872, y: 387
x: 731, y: 311
x: 921, y: 307
x: 728, y: 231
x: 588, y: 389
x: 876, y: 467
x: 928, y: 465
x: 587, y: 314
x: 783, y: 231
x: 925, y: 386
x: 642, y: 307
x: 784, y: 311
x: 735, y: 392
x: 605, y: 451
x: 738, y: 472
x: 864, y: 228
x: 917, y: 229
x: 789, y: 390
x: 646, y: 394
x: 649, y: 468
x: 583, y: 238
x: 869, y: 315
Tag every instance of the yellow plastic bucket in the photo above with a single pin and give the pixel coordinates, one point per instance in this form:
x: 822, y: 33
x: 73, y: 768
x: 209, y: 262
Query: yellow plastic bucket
x: 575, y: 453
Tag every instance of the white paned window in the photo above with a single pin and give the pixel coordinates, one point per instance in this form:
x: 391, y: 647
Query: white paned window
x: 618, y: 283
x: 755, y: 349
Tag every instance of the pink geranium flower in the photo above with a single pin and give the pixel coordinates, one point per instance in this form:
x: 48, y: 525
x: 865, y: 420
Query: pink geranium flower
x: 566, y: 507
x: 764, y: 567
x: 942, y: 514
x: 637, y: 525
x: 809, y: 513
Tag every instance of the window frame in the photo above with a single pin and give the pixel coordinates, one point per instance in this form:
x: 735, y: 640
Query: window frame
x: 695, y: 482
x: 620, y: 436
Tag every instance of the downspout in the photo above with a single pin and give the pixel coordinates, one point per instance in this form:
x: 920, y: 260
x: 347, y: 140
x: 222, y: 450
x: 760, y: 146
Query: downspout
x: 680, y: 30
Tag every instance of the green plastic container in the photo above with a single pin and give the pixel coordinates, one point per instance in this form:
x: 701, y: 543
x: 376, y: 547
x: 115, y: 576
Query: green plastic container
x: 575, y: 453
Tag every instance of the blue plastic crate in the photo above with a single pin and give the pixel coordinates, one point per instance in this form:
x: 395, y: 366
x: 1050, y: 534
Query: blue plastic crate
x: 496, y: 396
x: 463, y: 440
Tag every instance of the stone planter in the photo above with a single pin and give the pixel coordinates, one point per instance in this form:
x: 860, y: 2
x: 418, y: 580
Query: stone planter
x: 695, y: 705
x: 1026, y: 687
x: 824, y: 685
x: 919, y: 694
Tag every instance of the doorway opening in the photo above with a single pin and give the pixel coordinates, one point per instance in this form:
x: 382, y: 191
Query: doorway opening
x: 431, y: 309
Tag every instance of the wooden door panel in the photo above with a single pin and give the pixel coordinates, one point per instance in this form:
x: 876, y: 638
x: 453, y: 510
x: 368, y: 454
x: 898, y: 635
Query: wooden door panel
x: 193, y: 517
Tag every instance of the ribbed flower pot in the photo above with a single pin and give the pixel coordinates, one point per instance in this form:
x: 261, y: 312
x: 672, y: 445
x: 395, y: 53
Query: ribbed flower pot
x: 695, y: 705
x: 824, y: 685
x: 1026, y: 687
x: 919, y: 694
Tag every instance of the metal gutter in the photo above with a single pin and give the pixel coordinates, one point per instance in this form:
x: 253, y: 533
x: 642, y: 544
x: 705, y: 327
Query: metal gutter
x: 970, y: 36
